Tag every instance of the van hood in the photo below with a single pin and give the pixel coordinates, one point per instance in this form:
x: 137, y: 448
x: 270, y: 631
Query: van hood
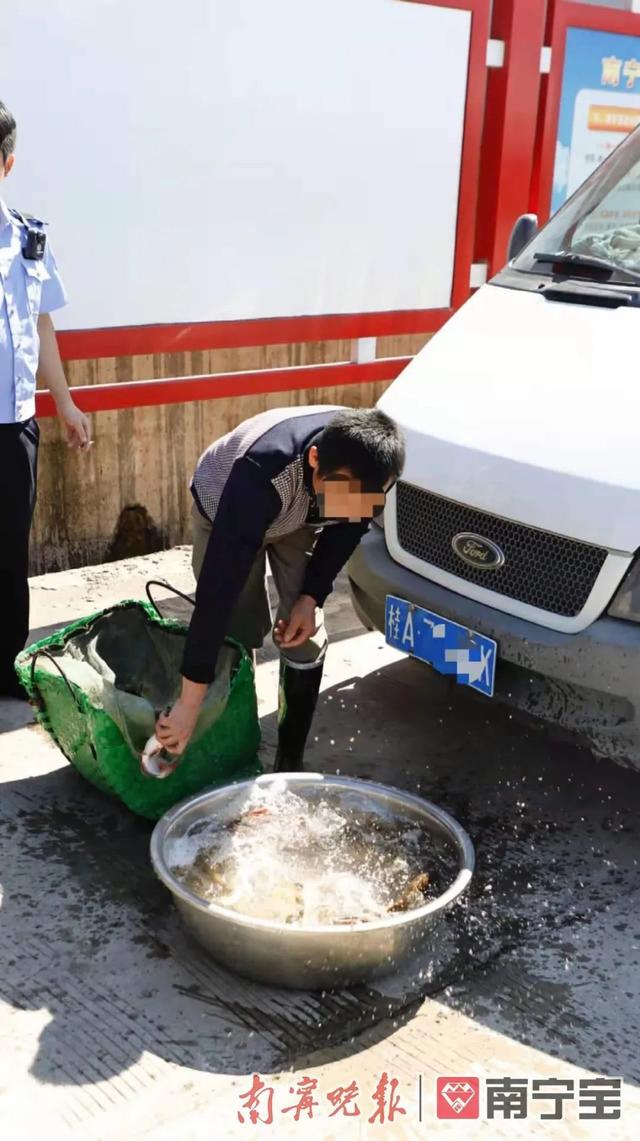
x: 530, y: 409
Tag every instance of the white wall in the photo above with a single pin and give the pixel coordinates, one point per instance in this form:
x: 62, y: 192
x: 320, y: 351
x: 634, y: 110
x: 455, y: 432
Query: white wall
x: 219, y: 159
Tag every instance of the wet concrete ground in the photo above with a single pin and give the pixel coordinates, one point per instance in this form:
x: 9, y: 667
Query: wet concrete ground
x: 114, y: 1026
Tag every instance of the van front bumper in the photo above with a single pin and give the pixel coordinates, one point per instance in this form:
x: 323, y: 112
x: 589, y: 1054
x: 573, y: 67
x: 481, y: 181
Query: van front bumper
x: 587, y: 683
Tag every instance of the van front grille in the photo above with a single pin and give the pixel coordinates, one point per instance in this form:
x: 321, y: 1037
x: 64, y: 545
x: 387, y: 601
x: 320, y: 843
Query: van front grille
x: 540, y: 569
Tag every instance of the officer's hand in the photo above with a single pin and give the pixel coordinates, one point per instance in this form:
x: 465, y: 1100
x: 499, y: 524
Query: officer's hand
x: 301, y: 625
x: 174, y: 729
x: 76, y: 426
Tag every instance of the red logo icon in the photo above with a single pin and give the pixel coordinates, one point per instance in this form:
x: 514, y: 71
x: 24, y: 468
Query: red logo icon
x: 458, y: 1098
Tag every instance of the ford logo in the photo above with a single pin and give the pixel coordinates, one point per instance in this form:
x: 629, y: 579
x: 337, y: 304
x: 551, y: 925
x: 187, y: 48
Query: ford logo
x: 478, y: 552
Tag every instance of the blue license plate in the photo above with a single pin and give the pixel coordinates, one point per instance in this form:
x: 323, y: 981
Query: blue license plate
x: 448, y: 647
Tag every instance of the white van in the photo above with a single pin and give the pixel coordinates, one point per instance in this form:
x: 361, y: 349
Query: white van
x: 509, y: 550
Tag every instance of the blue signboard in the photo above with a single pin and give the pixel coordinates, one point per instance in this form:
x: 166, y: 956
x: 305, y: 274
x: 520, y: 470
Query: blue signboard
x: 599, y: 105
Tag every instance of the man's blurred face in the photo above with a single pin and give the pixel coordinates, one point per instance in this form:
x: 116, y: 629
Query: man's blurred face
x: 341, y: 496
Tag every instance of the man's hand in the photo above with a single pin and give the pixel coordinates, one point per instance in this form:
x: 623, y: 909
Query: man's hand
x: 174, y: 729
x: 51, y: 374
x: 301, y: 625
x: 76, y: 426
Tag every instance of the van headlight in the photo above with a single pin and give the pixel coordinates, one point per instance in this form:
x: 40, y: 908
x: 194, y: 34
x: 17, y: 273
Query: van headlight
x: 626, y: 601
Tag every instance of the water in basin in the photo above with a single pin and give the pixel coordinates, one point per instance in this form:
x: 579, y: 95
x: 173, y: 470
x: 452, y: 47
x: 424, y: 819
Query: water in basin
x: 313, y: 861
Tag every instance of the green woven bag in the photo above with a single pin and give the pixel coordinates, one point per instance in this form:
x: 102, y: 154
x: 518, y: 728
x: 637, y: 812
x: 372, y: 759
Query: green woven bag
x: 101, y: 722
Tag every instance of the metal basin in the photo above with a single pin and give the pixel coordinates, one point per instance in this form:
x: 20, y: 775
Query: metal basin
x: 316, y: 957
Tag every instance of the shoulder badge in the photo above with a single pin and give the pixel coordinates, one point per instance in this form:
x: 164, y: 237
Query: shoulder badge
x: 28, y: 220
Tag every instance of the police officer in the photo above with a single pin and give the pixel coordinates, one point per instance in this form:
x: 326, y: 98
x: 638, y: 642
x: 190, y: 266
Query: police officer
x: 30, y: 289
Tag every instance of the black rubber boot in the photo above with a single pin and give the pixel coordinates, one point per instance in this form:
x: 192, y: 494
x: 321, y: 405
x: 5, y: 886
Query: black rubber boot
x: 297, y: 702
x: 11, y: 687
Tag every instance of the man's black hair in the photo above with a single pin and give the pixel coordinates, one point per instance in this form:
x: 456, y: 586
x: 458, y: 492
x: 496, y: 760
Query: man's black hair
x: 7, y: 133
x: 366, y: 442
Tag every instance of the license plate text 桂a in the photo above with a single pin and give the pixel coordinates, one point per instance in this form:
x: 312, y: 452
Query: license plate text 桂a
x: 443, y: 644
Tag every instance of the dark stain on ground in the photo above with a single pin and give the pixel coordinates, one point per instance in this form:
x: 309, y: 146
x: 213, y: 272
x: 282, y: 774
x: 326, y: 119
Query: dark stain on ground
x: 135, y: 534
x: 554, y: 831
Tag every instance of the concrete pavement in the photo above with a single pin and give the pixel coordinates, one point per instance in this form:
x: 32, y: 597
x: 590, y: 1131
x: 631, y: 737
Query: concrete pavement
x: 114, y: 1026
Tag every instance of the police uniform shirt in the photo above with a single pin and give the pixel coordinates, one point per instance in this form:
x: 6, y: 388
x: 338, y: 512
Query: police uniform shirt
x: 28, y: 287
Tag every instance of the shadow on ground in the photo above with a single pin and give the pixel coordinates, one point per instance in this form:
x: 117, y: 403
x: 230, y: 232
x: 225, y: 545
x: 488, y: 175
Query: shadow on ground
x: 543, y: 949
x: 548, y: 939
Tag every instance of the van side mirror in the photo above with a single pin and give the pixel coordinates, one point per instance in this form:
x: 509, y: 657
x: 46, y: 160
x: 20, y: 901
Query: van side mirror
x: 524, y: 230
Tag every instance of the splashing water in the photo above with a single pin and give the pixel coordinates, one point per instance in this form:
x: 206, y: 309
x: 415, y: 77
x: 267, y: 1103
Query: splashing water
x: 307, y: 863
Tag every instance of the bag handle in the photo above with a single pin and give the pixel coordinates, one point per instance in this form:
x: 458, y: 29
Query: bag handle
x: 50, y: 658
x: 165, y: 586
x: 174, y: 590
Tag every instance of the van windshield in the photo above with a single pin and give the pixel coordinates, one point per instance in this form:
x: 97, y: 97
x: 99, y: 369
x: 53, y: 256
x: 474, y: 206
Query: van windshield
x: 597, y: 232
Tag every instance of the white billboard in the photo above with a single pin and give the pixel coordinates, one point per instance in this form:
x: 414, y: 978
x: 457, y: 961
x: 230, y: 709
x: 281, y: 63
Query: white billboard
x: 217, y: 160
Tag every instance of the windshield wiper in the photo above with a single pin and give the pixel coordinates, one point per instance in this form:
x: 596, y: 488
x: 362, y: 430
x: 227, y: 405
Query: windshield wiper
x: 586, y: 261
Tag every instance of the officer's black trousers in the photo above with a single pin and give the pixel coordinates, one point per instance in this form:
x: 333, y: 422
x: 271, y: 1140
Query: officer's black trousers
x: 18, y: 470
